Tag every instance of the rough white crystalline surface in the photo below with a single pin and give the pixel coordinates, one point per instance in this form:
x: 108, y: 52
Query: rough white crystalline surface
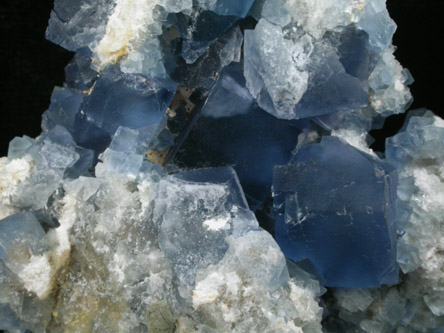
x: 110, y: 271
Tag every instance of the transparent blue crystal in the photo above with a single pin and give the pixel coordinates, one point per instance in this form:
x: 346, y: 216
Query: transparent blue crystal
x: 202, y: 72
x: 126, y: 152
x: 78, y: 24
x: 378, y: 24
x: 407, y: 257
x: 247, y: 138
x: 19, y: 146
x: 124, y: 163
x: 335, y: 206
x: 208, y: 28
x: 220, y: 175
x: 229, y: 87
x: 65, y: 104
x: 338, y: 83
x: 125, y: 140
x: 119, y: 99
x: 410, y: 143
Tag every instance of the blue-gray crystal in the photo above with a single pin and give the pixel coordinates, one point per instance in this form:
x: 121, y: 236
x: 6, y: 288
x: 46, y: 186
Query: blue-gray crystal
x: 18, y: 231
x: 335, y: 206
x: 126, y: 152
x: 245, y: 137
x: 201, y: 30
x: 407, y: 257
x: 232, y: 7
x: 79, y: 24
x: 409, y: 144
x: 65, y: 104
x: 19, y: 146
x: 229, y: 87
x: 380, y: 27
x: 119, y: 99
x: 79, y: 74
x: 202, y: 72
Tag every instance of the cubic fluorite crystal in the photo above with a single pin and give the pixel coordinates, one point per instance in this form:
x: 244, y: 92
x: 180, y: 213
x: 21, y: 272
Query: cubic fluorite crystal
x: 206, y: 168
x: 335, y: 206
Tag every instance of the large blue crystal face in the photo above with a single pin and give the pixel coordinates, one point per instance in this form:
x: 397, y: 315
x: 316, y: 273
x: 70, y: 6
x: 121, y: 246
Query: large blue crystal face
x: 240, y: 134
x: 335, y: 206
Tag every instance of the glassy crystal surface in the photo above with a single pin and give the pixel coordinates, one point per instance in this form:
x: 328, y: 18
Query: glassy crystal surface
x: 335, y: 206
x: 241, y: 135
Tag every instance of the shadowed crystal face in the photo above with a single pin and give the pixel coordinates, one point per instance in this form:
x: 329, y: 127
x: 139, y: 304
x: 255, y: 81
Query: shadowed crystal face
x: 335, y: 206
x: 240, y: 134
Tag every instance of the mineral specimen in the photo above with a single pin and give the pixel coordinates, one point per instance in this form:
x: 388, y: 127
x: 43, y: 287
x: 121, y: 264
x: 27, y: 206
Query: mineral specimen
x: 206, y: 168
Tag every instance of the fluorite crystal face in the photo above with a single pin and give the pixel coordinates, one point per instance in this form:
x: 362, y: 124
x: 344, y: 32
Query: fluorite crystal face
x: 335, y: 206
x: 206, y: 168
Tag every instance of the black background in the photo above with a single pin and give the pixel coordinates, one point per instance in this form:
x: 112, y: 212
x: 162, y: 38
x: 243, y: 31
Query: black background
x: 30, y: 66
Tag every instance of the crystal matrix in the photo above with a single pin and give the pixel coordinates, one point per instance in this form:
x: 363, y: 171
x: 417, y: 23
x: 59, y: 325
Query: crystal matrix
x: 206, y: 168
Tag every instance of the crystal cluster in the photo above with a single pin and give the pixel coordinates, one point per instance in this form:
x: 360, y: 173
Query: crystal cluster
x: 206, y: 168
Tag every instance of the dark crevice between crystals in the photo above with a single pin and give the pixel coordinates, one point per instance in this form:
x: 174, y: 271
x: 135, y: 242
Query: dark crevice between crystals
x: 392, y: 125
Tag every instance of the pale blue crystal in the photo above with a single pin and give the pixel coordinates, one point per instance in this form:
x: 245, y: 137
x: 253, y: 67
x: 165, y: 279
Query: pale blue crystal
x: 19, y: 146
x: 194, y: 217
x: 407, y: 257
x: 79, y: 74
x: 65, y: 104
x: 21, y: 230
x: 77, y: 25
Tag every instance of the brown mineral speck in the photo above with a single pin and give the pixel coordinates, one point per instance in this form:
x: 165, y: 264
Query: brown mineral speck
x: 157, y: 156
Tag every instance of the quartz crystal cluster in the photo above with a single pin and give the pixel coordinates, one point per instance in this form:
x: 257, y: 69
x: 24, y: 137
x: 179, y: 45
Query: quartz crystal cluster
x: 206, y: 168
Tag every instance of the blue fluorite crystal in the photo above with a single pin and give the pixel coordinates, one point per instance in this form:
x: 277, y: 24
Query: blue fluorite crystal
x: 408, y: 144
x: 207, y: 26
x: 120, y: 99
x: 65, y: 104
x: 17, y: 233
x: 232, y: 7
x: 326, y: 76
x: 335, y: 207
x: 241, y: 135
x: 79, y: 74
x: 77, y: 25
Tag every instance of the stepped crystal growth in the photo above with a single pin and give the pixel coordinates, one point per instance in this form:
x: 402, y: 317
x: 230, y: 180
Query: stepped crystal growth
x: 206, y: 168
